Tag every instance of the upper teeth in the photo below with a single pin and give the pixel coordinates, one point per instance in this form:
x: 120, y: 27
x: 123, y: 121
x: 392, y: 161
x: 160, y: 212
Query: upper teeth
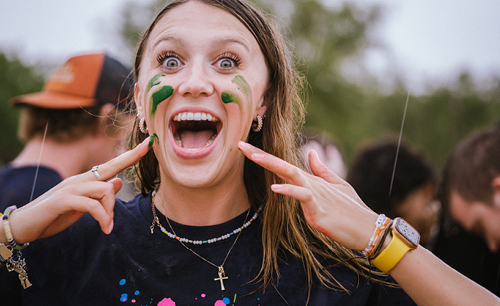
x: 195, y: 116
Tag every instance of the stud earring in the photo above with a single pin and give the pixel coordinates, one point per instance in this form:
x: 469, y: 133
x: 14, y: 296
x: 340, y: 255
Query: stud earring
x: 257, y: 127
x: 141, y: 126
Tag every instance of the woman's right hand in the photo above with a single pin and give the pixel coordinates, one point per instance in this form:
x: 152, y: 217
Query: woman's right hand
x: 65, y: 203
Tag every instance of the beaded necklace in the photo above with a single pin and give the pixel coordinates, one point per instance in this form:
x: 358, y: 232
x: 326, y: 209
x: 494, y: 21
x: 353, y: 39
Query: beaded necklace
x: 185, y: 240
x: 222, y: 274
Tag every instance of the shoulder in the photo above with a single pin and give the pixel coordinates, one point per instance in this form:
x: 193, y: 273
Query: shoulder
x: 19, y: 185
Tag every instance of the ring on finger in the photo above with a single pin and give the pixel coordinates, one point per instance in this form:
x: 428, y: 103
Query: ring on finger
x: 94, y: 170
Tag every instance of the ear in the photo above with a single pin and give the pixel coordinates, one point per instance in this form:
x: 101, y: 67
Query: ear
x: 495, y: 185
x: 137, y: 98
x: 105, y: 110
x: 105, y: 113
x: 261, y: 111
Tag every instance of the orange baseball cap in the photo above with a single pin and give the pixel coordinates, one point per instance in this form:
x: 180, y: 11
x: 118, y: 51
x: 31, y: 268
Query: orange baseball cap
x: 83, y: 81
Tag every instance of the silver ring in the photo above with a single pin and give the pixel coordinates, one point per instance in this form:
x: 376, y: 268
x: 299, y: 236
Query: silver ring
x: 94, y: 169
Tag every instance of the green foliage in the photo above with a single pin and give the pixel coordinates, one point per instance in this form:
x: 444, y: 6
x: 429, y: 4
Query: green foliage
x: 15, y: 79
x: 326, y: 40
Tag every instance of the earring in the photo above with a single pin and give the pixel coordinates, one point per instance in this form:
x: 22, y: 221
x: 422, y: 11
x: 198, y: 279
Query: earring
x: 141, y: 126
x: 256, y: 127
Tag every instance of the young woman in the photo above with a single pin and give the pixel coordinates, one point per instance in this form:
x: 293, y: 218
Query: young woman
x: 218, y: 221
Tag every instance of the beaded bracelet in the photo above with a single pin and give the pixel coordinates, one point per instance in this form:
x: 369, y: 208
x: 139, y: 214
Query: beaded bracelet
x: 380, y: 225
x: 8, y: 232
x: 378, y: 248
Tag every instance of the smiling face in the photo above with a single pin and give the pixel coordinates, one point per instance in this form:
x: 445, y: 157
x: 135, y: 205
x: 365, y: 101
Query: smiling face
x: 201, y: 84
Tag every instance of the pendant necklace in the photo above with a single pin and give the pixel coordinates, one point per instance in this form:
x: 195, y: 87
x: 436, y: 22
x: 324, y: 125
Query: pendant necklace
x: 220, y: 268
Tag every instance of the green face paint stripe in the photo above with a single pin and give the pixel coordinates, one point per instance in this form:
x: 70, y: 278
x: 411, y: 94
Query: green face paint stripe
x: 159, y: 96
x: 228, y: 97
x: 244, y: 87
x: 154, y: 81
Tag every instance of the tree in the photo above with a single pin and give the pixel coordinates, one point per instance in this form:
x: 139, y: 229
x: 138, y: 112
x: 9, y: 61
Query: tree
x: 16, y: 79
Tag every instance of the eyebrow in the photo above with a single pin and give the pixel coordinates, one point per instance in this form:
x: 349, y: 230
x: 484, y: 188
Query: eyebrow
x: 223, y: 41
x: 168, y: 38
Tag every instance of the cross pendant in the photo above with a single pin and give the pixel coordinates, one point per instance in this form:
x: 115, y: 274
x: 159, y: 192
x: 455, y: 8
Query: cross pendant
x: 221, y: 278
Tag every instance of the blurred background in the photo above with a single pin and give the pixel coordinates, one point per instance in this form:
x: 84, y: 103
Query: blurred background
x: 361, y: 60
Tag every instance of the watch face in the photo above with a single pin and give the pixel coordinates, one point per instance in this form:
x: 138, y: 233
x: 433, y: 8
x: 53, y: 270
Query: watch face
x: 407, y: 231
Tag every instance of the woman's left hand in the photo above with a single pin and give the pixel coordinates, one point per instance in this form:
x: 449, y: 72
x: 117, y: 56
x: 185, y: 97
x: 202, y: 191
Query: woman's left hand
x: 329, y: 203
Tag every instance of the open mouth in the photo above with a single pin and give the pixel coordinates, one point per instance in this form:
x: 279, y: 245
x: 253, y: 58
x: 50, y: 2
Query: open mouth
x: 194, y: 131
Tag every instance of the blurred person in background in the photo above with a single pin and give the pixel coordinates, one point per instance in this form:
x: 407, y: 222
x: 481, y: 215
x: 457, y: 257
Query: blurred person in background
x: 412, y: 194
x: 327, y: 150
x: 75, y: 122
x: 469, y: 238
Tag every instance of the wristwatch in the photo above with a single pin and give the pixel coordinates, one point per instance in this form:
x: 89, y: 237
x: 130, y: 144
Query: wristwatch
x: 404, y: 239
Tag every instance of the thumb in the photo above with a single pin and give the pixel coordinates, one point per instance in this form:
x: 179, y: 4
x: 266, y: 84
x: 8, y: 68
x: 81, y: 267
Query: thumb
x: 117, y: 184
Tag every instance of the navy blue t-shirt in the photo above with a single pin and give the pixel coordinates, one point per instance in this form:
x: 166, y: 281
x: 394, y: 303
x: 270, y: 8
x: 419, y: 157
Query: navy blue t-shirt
x: 132, y: 266
x: 16, y: 184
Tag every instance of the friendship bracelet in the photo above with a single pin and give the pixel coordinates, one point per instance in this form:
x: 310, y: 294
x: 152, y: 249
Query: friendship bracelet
x: 8, y: 232
x: 380, y: 225
x: 380, y: 243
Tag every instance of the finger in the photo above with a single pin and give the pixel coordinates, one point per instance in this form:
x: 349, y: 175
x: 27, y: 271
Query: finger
x: 319, y: 169
x: 301, y: 194
x: 282, y: 169
x: 117, y: 184
x: 97, y: 210
x: 118, y: 164
x: 105, y: 195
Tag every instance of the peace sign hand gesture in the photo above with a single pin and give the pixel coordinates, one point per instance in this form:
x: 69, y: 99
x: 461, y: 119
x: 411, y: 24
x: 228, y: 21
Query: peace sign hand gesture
x: 329, y: 203
x: 68, y: 201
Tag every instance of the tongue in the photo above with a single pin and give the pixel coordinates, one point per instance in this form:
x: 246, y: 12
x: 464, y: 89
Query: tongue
x: 195, y: 139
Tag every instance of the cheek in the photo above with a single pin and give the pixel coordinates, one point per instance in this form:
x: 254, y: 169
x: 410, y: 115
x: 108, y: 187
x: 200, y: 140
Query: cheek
x: 161, y: 94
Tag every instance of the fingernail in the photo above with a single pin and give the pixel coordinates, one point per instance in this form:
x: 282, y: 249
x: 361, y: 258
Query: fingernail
x: 245, y: 145
x: 257, y: 156
x: 110, y: 227
x: 276, y: 187
x: 151, y: 141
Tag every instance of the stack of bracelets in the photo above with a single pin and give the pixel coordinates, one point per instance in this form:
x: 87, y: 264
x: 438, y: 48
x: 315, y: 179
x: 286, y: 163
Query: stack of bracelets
x: 10, y: 254
x: 404, y: 239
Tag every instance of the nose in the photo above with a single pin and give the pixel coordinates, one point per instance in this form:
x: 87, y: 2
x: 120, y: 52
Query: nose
x: 196, y: 82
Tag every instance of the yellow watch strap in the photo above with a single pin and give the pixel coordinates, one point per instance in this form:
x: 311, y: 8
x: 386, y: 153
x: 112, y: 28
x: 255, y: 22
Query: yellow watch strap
x: 391, y: 255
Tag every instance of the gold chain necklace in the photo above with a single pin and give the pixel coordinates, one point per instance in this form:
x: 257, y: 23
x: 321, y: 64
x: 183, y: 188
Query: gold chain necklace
x: 220, y: 268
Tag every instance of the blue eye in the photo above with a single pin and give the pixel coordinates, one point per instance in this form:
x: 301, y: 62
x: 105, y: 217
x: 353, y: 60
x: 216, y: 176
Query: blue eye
x: 172, y: 63
x: 169, y: 60
x: 226, y: 63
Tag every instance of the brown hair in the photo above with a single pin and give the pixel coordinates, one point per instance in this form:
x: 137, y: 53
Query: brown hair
x: 66, y: 125
x: 472, y: 166
x: 285, y: 230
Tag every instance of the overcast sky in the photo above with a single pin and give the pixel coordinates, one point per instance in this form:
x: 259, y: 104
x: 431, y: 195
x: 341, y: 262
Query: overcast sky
x: 427, y: 39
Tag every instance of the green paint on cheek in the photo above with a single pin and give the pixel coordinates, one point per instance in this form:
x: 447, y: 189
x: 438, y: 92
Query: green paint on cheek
x: 152, y: 139
x: 228, y: 97
x: 154, y: 81
x: 159, y: 96
x: 243, y: 86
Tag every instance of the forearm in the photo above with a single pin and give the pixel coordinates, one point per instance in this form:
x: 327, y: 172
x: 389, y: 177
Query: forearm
x: 429, y: 281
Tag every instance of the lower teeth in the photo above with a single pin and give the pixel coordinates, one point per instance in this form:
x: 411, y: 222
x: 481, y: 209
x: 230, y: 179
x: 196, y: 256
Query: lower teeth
x: 178, y: 141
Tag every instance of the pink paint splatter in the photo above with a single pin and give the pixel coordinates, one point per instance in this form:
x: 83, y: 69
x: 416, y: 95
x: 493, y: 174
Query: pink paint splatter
x: 203, y: 295
x: 133, y: 301
x: 166, y: 302
x: 219, y: 303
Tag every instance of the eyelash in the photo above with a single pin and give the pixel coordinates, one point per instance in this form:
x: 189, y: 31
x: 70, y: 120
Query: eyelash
x: 166, y: 54
x: 235, y: 58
